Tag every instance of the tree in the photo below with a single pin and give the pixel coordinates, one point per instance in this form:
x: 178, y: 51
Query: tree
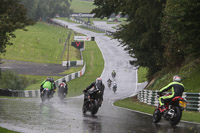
x: 141, y: 36
x: 180, y: 30
x: 42, y: 9
x: 12, y: 17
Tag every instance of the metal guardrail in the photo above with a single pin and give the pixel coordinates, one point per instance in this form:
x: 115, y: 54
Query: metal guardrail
x: 151, y: 98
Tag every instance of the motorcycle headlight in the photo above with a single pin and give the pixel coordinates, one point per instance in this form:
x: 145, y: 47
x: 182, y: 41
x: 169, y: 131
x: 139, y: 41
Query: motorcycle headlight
x: 182, y: 104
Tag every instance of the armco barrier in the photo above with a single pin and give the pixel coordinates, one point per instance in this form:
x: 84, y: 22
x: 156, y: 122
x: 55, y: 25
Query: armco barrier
x: 151, y: 98
x: 36, y: 93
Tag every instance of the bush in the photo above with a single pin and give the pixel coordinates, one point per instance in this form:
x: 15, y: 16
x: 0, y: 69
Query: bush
x: 11, y: 80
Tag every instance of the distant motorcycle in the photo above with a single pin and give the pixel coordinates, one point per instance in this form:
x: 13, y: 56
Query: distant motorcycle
x: 62, y: 92
x: 173, y: 111
x: 45, y: 94
x: 93, y: 101
x: 109, y: 84
x: 114, y: 87
x: 113, y: 75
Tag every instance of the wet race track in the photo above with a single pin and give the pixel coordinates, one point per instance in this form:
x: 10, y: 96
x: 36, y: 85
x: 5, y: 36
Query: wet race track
x: 31, y: 116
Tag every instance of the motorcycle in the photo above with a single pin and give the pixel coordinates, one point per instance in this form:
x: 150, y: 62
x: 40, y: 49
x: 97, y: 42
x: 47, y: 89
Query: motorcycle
x: 45, y: 94
x: 113, y: 75
x: 173, y: 112
x: 93, y: 101
x: 62, y: 91
x: 114, y: 87
x: 109, y: 84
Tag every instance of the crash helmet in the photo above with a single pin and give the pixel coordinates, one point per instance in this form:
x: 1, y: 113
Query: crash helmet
x: 63, y: 80
x: 99, y: 80
x: 177, y: 78
x: 51, y: 79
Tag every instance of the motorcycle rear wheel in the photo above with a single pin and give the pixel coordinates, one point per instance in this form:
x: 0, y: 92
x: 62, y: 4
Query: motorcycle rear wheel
x: 177, y: 116
x: 156, y: 116
x: 44, y: 96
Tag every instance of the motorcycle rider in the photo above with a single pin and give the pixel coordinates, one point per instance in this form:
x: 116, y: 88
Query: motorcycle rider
x: 64, y: 83
x: 177, y: 90
x: 50, y: 84
x: 109, y: 81
x: 113, y: 73
x: 114, y: 86
x: 98, y: 84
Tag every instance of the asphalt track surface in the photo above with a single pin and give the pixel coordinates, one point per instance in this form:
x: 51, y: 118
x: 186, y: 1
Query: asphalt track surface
x: 30, y: 116
x: 30, y: 68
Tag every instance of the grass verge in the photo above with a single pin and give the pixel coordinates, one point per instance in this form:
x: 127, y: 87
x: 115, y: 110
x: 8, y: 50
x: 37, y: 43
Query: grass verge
x: 133, y: 104
x: 190, y: 73
x: 94, y: 67
x: 96, y: 31
x: 142, y: 72
x: 80, y: 6
x: 3, y: 130
x: 42, y: 43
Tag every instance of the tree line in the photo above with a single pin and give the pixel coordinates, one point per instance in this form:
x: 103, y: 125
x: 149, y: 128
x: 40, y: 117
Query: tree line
x: 41, y: 9
x: 159, y: 34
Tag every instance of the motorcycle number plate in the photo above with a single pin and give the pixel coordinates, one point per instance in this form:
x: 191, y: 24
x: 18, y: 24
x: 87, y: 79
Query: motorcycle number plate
x: 182, y: 104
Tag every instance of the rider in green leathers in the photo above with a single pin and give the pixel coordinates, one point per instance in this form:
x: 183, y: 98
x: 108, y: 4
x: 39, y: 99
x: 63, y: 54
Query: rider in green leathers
x: 50, y: 84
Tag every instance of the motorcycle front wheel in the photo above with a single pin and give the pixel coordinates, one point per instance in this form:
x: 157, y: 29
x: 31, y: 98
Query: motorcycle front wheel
x: 156, y: 116
x: 95, y: 108
x: 177, y: 116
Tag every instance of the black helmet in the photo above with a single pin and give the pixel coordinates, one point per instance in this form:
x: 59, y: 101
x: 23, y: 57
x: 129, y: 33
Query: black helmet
x: 63, y: 80
x: 50, y: 79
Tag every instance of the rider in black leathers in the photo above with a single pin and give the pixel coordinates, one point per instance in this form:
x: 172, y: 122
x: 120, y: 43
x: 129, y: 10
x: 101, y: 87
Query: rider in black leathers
x: 98, y: 84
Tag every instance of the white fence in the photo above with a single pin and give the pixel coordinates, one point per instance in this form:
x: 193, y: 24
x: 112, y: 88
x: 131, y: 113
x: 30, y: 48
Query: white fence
x: 151, y: 98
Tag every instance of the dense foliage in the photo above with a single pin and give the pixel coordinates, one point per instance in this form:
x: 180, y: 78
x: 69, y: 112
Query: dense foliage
x: 11, y: 80
x: 159, y: 33
x: 42, y: 9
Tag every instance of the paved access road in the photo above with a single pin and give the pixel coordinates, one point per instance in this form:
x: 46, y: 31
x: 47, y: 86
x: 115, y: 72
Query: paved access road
x: 29, y: 115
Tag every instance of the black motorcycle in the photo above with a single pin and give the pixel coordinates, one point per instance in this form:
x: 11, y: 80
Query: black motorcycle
x: 45, y: 94
x: 93, y: 101
x: 173, y: 112
x: 62, y: 91
x: 109, y: 84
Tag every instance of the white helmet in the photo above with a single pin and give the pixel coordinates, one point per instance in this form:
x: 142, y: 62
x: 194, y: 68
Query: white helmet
x: 177, y: 78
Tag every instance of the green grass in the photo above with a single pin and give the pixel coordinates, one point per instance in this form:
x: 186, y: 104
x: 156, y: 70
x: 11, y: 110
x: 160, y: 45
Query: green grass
x: 42, y: 43
x: 72, y: 70
x: 80, y: 6
x: 142, y: 72
x: 96, y: 31
x: 190, y: 73
x: 3, y: 130
x: 94, y: 67
x: 134, y: 104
